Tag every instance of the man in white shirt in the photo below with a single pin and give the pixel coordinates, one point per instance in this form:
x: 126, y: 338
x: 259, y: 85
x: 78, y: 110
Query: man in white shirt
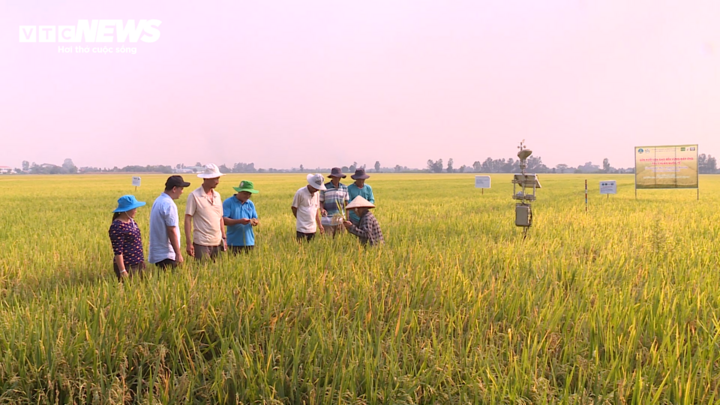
x: 306, y: 208
x: 164, y: 248
x: 204, y: 211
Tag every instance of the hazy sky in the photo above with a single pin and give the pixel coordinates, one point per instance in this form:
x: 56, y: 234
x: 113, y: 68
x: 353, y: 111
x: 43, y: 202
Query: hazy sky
x: 326, y: 83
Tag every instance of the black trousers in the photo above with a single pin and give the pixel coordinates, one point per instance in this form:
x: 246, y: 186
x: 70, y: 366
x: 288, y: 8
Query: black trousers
x: 166, y: 263
x: 304, y: 236
x: 240, y: 249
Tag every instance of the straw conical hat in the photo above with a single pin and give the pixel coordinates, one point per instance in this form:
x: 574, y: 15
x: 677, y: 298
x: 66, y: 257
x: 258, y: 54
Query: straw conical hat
x: 360, y: 202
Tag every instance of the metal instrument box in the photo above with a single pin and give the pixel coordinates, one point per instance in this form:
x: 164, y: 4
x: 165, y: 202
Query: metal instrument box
x: 523, y: 215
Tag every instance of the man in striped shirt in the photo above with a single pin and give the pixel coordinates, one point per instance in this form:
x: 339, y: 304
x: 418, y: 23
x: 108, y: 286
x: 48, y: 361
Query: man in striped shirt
x: 333, y: 201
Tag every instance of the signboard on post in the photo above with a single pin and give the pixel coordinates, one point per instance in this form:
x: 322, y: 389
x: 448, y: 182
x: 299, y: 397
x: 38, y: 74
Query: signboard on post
x: 136, y: 181
x: 608, y: 187
x: 666, y: 166
x: 482, y: 181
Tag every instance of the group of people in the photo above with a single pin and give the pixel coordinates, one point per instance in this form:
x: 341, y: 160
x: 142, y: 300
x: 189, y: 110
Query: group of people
x: 212, y: 225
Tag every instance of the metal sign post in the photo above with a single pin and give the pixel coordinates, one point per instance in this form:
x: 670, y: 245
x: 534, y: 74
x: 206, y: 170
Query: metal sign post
x: 482, y: 182
x: 136, y: 182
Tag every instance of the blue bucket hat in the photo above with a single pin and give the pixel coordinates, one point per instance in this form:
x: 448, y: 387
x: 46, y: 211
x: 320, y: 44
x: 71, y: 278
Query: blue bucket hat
x: 127, y: 203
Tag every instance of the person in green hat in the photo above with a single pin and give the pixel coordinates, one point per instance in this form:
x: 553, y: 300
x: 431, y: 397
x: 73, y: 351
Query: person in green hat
x: 240, y: 216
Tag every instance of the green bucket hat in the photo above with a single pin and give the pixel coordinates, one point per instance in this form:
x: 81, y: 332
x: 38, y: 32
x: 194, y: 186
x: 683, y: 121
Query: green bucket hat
x: 246, y: 185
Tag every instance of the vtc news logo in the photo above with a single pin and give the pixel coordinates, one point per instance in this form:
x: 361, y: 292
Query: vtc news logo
x: 93, y: 31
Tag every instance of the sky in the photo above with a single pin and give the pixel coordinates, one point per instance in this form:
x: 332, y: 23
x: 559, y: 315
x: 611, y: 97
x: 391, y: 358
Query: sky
x: 329, y: 83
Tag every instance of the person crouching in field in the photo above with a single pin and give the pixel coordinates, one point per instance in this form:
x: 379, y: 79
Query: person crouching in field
x: 368, y: 229
x: 240, y: 216
x: 359, y: 188
x: 306, y: 208
x: 126, y: 240
x: 164, y: 250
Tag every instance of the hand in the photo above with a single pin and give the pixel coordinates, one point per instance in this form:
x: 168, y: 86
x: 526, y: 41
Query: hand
x: 190, y: 249
x: 179, y: 258
x: 347, y: 224
x: 225, y: 244
x: 244, y: 221
x: 323, y: 212
x: 322, y: 230
x: 254, y: 222
x: 124, y: 273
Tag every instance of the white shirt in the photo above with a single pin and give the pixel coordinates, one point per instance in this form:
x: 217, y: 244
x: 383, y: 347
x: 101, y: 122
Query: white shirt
x: 164, y: 213
x: 307, y: 206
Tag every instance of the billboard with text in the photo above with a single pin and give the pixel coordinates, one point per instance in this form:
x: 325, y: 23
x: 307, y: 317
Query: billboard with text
x: 666, y: 166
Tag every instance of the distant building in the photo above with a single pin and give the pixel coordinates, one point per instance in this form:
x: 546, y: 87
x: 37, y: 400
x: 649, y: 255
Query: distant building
x: 6, y: 170
x: 185, y: 170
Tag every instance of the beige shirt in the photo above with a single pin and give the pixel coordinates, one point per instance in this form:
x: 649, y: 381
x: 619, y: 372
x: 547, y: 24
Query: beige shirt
x: 206, y: 213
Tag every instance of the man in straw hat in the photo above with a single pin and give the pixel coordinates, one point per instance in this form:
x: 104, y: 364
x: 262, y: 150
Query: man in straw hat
x: 164, y: 248
x: 359, y: 188
x: 240, y: 216
x: 204, y: 211
x: 333, y: 201
x: 306, y: 208
x: 368, y: 229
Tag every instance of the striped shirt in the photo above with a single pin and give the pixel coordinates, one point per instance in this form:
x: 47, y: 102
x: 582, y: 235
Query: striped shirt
x: 331, y: 199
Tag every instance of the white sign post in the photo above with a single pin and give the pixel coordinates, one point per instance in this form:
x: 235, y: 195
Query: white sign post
x: 608, y: 187
x: 136, y: 182
x: 482, y: 182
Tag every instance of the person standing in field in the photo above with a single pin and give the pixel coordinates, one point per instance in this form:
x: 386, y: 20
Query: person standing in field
x: 129, y: 259
x: 204, y: 225
x: 333, y: 201
x: 368, y: 229
x: 164, y: 250
x: 359, y: 188
x: 240, y: 217
x: 306, y: 208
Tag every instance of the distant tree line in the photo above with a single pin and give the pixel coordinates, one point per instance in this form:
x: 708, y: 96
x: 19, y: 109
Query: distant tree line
x: 129, y: 169
x: 68, y: 167
x: 707, y: 164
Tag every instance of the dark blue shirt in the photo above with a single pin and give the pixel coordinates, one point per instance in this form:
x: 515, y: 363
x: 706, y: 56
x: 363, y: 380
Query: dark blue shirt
x: 126, y: 241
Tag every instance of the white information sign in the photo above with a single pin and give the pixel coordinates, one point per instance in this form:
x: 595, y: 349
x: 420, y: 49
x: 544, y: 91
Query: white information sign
x: 136, y: 181
x: 482, y: 181
x: 608, y: 187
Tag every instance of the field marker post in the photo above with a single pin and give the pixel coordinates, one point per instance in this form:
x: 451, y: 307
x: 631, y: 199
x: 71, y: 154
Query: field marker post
x: 586, y: 207
x: 482, y: 182
x: 136, y: 182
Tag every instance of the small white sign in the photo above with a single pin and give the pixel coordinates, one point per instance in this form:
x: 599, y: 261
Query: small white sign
x: 608, y: 187
x: 482, y: 181
x: 136, y: 181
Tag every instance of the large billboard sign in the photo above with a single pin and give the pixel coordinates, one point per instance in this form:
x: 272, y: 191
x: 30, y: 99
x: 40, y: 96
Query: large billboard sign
x: 666, y: 166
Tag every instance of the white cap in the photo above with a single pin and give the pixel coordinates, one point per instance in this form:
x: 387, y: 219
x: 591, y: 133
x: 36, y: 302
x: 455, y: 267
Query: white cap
x: 315, y: 180
x: 211, y: 171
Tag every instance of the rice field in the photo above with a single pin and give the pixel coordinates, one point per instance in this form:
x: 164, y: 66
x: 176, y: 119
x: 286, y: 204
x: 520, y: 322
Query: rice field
x: 619, y: 304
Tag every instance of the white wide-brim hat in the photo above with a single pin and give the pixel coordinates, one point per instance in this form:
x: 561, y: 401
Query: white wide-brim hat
x: 211, y: 171
x: 359, y: 202
x: 315, y: 180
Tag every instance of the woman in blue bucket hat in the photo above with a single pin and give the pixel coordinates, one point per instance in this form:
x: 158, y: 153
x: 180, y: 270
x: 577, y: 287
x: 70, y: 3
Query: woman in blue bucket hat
x: 125, y: 237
